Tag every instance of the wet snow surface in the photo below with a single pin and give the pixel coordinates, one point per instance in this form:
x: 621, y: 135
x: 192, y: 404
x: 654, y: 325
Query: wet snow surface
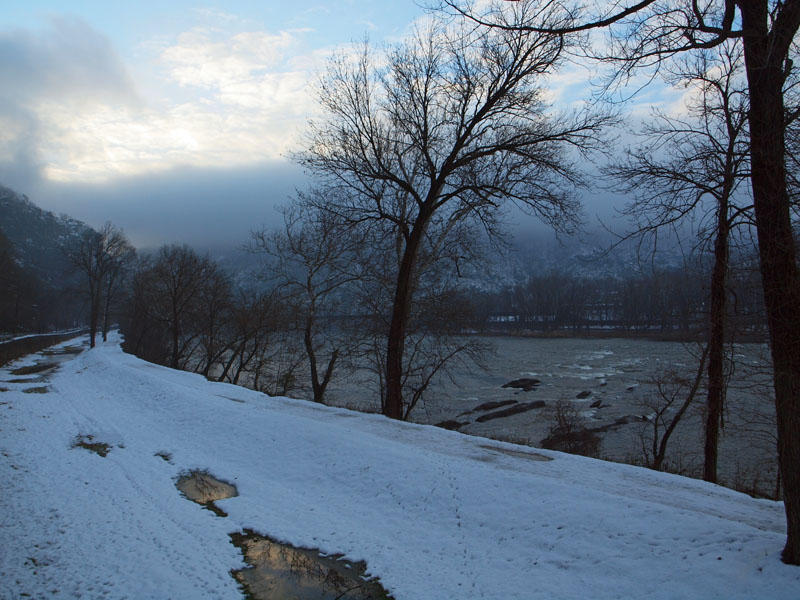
x: 433, y: 513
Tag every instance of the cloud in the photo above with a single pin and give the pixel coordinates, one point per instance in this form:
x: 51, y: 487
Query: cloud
x: 67, y: 64
x: 68, y: 59
x: 70, y: 112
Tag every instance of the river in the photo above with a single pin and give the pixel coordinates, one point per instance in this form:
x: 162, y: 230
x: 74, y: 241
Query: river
x: 619, y: 377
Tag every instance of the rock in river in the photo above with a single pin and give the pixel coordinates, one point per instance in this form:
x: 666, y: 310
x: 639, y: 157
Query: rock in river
x: 526, y: 384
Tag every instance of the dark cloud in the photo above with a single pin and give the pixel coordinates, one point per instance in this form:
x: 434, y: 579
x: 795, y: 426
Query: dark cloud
x: 68, y: 58
x: 205, y: 208
x: 69, y: 64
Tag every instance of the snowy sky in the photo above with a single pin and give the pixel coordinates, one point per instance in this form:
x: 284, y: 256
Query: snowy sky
x: 182, y: 109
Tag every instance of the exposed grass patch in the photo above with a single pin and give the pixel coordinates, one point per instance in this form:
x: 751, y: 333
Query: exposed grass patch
x: 42, y: 389
x: 517, y: 453
x: 164, y: 455
x: 87, y: 441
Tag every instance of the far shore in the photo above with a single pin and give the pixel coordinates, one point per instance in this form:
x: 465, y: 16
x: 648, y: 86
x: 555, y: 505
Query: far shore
x: 758, y: 337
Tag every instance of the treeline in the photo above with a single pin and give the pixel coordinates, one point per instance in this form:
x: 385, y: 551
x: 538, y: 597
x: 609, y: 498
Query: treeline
x: 183, y: 311
x: 28, y: 304
x: 669, y: 302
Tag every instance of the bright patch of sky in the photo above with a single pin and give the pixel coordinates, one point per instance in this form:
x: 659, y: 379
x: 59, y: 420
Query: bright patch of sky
x: 126, y: 89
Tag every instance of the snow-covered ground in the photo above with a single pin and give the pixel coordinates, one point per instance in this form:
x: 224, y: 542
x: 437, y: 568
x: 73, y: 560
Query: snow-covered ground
x: 436, y: 514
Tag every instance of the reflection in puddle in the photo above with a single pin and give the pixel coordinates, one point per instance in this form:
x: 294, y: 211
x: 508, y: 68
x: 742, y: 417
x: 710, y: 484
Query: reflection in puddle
x: 282, y: 571
x: 205, y: 489
x: 63, y: 351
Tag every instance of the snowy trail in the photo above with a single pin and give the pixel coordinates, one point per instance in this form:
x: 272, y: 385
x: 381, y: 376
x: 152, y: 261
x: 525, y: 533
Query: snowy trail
x: 435, y: 514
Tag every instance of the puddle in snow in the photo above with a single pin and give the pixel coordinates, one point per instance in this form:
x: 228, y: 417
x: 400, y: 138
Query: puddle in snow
x: 203, y: 488
x: 65, y: 351
x: 37, y: 368
x: 282, y: 571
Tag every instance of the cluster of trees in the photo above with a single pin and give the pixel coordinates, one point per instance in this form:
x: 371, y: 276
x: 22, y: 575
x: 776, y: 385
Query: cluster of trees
x: 668, y: 301
x: 29, y: 304
x: 103, y: 259
x: 183, y: 311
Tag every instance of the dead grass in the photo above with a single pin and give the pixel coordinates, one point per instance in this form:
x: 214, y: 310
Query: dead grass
x: 164, y: 455
x: 31, y: 369
x: 87, y: 442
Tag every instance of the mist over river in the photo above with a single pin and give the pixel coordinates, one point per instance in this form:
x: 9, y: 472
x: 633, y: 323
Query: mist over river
x: 618, y: 377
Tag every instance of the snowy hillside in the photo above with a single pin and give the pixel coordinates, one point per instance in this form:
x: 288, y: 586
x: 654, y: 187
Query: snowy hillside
x: 435, y: 514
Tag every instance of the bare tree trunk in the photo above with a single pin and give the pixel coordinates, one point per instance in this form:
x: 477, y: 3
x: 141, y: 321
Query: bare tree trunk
x: 312, y: 361
x: 106, y: 310
x: 393, y: 407
x: 318, y: 387
x: 661, y: 453
x: 716, y: 344
x: 173, y: 363
x: 780, y: 279
x: 94, y: 313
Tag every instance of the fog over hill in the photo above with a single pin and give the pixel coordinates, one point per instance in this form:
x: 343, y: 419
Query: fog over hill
x: 38, y: 236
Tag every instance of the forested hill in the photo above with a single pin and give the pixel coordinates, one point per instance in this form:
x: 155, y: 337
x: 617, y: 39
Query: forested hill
x: 39, y: 287
x: 38, y: 236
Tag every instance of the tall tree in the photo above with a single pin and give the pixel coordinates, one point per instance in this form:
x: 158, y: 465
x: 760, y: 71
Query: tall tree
x: 449, y: 129
x: 690, y: 167
x: 100, y: 256
x: 644, y: 34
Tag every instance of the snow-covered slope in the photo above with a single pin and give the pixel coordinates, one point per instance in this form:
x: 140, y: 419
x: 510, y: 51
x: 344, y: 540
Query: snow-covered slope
x: 436, y: 514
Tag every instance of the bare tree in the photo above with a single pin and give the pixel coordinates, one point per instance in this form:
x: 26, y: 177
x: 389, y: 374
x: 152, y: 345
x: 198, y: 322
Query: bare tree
x: 643, y: 35
x: 451, y: 128
x: 312, y: 259
x: 214, y: 314
x: 674, y: 395
x: 165, y: 309
x: 258, y: 342
x: 100, y: 256
x: 435, y: 342
x: 691, y: 167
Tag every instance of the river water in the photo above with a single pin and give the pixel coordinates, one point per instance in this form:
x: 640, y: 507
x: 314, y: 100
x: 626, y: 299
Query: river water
x: 621, y: 376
